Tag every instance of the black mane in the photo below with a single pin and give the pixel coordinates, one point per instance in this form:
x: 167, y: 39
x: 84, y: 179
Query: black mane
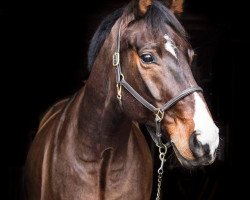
x: 100, y: 35
x: 157, y: 16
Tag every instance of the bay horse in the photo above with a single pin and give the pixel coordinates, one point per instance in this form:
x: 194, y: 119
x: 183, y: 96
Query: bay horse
x: 90, y: 147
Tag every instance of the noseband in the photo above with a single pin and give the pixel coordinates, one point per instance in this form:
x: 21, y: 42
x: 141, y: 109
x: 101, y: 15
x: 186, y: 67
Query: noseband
x: 158, y: 112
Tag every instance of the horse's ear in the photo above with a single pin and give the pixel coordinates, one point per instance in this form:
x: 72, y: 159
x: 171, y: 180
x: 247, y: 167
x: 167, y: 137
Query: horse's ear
x: 175, y: 5
x: 143, y: 6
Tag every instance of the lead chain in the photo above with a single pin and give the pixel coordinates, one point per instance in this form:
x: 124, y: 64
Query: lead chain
x: 162, y: 154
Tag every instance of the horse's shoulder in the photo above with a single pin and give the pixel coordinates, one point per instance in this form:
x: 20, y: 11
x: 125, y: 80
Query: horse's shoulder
x: 52, y: 112
x: 139, y: 135
x: 135, y: 128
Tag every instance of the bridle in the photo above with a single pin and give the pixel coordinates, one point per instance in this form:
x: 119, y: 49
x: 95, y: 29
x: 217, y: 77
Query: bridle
x: 158, y: 112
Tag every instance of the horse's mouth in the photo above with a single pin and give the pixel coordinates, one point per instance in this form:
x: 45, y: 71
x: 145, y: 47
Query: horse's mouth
x: 206, y: 160
x: 192, y: 163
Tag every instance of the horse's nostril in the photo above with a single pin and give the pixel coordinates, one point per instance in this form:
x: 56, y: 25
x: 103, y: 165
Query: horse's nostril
x: 193, y: 142
x: 206, y: 149
x: 196, y: 146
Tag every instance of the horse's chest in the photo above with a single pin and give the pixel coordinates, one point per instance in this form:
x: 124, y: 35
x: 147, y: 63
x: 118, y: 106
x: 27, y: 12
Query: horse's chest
x: 131, y: 178
x: 134, y: 182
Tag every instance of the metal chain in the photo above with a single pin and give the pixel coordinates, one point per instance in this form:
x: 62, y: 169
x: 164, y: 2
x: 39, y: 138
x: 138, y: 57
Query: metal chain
x: 162, y: 154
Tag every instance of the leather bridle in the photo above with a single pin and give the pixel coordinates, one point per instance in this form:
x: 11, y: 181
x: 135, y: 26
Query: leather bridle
x: 158, y: 112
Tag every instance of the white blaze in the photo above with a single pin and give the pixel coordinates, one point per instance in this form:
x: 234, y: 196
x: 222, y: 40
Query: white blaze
x: 204, y: 125
x: 170, y: 45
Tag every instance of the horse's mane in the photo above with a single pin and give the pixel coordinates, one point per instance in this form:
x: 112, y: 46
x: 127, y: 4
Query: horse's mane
x: 157, y: 16
x: 100, y: 35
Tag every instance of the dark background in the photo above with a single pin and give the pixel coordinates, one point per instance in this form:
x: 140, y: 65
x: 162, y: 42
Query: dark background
x: 43, y: 59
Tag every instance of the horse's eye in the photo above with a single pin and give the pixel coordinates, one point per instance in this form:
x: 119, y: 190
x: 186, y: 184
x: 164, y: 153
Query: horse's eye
x: 147, y: 58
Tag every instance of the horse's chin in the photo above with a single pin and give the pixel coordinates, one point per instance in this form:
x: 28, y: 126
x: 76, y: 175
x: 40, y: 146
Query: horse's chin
x: 190, y: 164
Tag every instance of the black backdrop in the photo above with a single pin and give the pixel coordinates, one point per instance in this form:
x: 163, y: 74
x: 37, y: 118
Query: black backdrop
x: 44, y: 56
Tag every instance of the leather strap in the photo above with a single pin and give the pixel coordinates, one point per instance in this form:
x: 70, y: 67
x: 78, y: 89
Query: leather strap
x: 137, y: 96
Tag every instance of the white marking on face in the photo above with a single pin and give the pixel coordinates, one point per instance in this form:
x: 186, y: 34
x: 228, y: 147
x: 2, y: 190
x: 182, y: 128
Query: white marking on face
x: 208, y: 132
x: 170, y: 45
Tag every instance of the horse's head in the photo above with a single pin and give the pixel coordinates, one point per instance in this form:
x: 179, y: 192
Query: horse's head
x: 155, y: 61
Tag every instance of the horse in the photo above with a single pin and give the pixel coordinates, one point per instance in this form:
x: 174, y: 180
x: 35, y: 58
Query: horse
x: 90, y: 146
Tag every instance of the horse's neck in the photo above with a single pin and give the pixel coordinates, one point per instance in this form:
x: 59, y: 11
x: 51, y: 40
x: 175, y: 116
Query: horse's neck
x: 101, y: 123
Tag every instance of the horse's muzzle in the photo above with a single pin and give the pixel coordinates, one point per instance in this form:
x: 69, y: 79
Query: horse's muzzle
x: 201, y: 154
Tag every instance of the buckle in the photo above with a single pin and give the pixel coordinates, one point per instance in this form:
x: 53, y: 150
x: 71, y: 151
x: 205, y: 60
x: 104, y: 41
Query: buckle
x: 116, y: 59
x: 159, y: 114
